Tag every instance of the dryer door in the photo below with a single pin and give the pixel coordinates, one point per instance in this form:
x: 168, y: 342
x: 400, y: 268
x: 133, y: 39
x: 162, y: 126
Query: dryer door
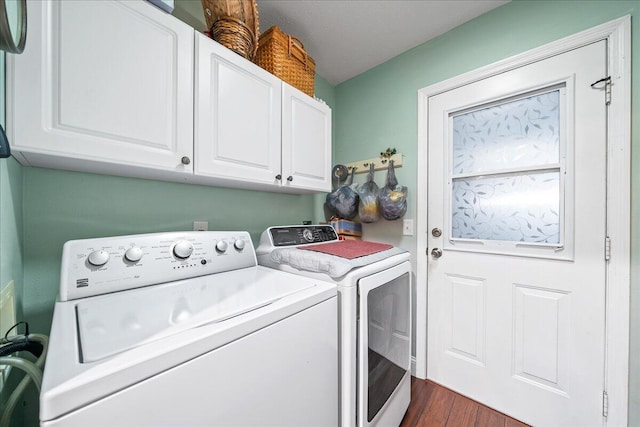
x: 384, y: 346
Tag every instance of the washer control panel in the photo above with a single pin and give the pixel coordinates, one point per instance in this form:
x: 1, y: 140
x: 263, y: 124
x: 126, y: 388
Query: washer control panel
x: 99, y: 266
x: 297, y: 235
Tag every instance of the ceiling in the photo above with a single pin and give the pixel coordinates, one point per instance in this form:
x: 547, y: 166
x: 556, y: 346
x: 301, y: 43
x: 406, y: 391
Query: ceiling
x: 349, y: 37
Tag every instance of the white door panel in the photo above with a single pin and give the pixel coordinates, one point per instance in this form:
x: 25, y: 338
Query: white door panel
x: 516, y: 301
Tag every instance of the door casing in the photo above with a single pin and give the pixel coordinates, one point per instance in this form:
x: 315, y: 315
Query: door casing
x: 618, y: 36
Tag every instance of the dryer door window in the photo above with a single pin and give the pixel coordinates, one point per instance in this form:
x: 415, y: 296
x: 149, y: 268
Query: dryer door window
x: 384, y: 337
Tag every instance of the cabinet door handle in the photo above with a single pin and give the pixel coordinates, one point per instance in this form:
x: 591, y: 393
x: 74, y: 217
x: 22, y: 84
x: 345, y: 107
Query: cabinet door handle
x: 290, y: 178
x: 185, y: 160
x: 279, y: 177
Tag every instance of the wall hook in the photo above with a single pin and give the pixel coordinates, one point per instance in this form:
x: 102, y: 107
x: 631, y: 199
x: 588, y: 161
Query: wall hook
x: 362, y: 166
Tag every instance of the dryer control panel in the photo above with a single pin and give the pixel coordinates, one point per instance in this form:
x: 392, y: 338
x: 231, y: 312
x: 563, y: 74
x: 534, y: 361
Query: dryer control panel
x: 295, y: 235
x: 99, y: 266
x: 301, y: 235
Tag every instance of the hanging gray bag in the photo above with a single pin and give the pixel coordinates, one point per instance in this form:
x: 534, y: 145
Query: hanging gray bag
x: 344, y: 200
x: 369, y: 208
x: 393, y: 197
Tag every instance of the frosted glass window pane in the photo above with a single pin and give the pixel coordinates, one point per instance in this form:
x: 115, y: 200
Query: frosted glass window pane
x: 520, y: 208
x: 519, y: 133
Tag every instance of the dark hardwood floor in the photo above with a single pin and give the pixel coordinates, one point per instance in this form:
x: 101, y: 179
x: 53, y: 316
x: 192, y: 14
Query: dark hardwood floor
x: 434, y: 405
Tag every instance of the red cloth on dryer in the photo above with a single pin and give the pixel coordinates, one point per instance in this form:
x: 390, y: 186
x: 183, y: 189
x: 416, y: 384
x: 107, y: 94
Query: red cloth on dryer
x: 349, y: 249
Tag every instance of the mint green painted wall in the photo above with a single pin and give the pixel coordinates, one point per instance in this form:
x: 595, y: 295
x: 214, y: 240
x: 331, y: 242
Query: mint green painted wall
x: 11, y: 228
x: 378, y: 109
x: 62, y: 205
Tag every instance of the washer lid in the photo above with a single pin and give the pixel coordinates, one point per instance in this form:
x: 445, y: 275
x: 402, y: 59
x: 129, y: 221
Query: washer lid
x: 117, y: 322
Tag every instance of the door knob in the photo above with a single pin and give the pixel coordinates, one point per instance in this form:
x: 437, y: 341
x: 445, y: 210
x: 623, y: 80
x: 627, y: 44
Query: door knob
x: 185, y: 160
x: 436, y: 253
x: 436, y: 232
x: 290, y: 178
x: 279, y: 177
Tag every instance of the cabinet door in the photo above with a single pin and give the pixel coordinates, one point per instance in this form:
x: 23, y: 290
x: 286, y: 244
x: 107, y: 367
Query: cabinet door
x: 237, y: 117
x: 102, y: 84
x: 306, y: 141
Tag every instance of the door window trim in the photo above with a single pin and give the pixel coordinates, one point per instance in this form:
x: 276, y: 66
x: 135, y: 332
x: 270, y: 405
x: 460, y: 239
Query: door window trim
x: 564, y: 249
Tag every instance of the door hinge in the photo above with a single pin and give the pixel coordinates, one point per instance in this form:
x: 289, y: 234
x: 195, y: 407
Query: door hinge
x: 605, y: 404
x: 607, y: 248
x: 606, y: 84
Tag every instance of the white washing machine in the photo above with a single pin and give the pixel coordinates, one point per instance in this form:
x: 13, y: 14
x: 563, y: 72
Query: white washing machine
x: 374, y: 293
x: 177, y: 329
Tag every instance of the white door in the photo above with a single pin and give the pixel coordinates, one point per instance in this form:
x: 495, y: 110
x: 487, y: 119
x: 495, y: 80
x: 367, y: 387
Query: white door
x: 237, y: 116
x: 516, y: 269
x: 306, y: 141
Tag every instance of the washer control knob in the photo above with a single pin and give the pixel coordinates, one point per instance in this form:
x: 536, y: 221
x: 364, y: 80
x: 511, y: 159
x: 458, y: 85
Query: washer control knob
x: 182, y: 249
x: 133, y: 254
x: 98, y: 258
x: 222, y: 246
x: 239, y: 244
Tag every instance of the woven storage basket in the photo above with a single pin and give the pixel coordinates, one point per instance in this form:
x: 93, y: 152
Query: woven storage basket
x: 234, y: 24
x: 234, y: 35
x: 284, y: 56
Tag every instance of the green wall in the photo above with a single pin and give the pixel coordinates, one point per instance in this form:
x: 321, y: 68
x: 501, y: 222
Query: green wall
x: 379, y: 108
x: 61, y: 206
x: 11, y: 228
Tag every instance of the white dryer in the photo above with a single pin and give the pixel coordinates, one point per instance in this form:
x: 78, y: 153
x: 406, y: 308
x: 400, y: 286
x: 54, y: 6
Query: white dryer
x: 374, y: 293
x: 186, y: 329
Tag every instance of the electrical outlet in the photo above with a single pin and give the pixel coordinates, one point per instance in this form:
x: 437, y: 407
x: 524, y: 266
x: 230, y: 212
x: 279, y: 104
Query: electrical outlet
x: 407, y: 227
x: 200, y: 225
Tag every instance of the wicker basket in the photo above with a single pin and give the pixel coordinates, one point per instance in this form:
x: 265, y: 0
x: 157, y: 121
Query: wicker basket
x: 234, y: 35
x: 234, y: 24
x: 284, y: 56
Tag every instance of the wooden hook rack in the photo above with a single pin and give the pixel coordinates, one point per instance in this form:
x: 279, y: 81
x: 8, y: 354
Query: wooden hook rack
x: 379, y: 163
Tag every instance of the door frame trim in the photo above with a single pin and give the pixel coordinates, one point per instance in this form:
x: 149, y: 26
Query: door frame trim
x: 618, y: 35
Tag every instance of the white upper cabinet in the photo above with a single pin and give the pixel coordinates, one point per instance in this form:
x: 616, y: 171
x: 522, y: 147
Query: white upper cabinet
x: 103, y: 86
x: 237, y: 117
x: 253, y: 130
x: 123, y: 88
x: 306, y: 141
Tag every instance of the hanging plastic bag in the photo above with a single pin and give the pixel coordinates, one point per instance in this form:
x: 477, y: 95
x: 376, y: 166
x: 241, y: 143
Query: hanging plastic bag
x: 369, y: 208
x: 393, y: 197
x: 344, y: 201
